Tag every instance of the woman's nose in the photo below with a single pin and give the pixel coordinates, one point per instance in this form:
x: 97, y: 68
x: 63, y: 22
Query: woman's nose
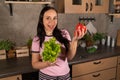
x: 52, y: 21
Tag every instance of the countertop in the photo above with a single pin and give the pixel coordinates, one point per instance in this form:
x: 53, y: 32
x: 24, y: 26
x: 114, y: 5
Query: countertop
x: 102, y: 52
x: 15, y: 66
x: 23, y: 65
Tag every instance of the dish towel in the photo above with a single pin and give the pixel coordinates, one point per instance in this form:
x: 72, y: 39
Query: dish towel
x: 90, y: 27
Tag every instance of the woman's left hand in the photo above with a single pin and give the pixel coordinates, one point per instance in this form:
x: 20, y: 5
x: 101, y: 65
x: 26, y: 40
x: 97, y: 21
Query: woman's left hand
x: 79, y: 34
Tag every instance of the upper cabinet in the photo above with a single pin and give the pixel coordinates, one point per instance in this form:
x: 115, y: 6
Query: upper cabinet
x: 116, y: 2
x: 86, y: 6
x: 116, y: 9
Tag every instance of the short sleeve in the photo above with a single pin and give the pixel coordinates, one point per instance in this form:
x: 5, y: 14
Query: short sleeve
x: 66, y: 34
x: 35, y: 45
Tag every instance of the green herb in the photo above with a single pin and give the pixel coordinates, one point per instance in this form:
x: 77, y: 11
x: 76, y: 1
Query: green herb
x: 51, y: 50
x: 6, y: 44
x: 29, y: 42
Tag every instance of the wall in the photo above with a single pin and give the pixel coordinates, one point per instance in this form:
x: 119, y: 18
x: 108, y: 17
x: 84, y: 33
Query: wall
x: 23, y: 23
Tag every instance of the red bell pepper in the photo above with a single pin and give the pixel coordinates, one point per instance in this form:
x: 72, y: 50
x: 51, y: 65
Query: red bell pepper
x: 81, y: 27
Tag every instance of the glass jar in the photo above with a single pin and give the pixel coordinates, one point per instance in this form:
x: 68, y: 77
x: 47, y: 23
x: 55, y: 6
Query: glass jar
x: 117, y: 8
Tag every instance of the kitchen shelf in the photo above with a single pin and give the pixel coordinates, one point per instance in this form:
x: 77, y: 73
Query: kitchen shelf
x: 27, y: 2
x: 112, y: 15
x: 24, y: 2
x: 116, y: 15
x: 116, y: 2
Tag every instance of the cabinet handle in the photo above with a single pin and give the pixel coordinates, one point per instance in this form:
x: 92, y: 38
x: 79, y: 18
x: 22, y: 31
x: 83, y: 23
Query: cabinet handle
x: 97, y: 62
x: 91, y: 6
x: 18, y: 78
x: 119, y: 63
x: 96, y: 75
x: 87, y: 6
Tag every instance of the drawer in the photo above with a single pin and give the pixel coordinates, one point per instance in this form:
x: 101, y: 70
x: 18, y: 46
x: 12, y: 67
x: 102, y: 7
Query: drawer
x: 89, y: 67
x: 16, y: 77
x: 118, y: 60
x: 118, y: 72
x: 101, y: 75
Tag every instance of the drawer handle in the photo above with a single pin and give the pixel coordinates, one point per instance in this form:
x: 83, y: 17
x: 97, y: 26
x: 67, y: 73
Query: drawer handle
x: 97, y: 62
x: 96, y: 75
x: 91, y: 6
x: 18, y: 78
x: 87, y: 6
x: 119, y: 63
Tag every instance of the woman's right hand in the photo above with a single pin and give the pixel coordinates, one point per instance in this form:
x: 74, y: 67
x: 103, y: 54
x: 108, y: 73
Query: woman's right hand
x: 51, y: 63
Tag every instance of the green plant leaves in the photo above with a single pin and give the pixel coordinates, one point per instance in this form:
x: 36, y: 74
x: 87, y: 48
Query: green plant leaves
x: 6, y: 44
x: 51, y: 50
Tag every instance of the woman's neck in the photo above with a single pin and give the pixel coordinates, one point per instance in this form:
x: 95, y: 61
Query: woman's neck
x: 48, y: 33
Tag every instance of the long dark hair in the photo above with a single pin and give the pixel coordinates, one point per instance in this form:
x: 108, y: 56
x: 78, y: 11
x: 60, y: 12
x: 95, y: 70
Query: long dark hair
x: 56, y: 33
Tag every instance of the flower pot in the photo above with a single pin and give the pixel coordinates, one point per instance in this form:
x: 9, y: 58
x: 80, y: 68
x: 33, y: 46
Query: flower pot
x: 11, y: 54
x: 22, y: 51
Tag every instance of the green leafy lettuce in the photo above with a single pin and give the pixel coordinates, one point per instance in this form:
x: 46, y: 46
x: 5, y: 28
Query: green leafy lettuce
x: 51, y: 50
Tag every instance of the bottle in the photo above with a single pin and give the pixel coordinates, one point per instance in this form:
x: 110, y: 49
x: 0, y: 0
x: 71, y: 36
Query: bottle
x: 113, y: 42
x: 108, y: 40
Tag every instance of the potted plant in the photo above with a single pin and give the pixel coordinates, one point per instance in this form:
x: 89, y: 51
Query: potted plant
x: 8, y: 46
x: 92, y: 40
x: 29, y: 42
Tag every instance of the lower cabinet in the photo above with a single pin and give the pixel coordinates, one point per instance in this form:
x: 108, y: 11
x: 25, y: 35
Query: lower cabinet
x: 16, y: 77
x: 103, y: 69
x: 118, y: 69
x: 101, y: 75
x: 25, y: 76
x: 30, y: 76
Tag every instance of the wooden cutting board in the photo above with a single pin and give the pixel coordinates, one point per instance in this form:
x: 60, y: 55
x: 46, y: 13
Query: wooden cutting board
x: 118, y: 38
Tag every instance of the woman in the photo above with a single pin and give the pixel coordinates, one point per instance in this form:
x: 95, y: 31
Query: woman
x: 47, y: 29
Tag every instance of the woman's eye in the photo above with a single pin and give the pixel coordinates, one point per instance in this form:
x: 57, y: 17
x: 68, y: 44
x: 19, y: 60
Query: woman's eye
x: 48, y: 18
x: 55, y: 18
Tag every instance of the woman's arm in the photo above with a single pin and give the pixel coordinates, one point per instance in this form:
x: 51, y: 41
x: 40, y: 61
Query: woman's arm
x: 37, y: 62
x: 73, y: 44
x: 72, y: 49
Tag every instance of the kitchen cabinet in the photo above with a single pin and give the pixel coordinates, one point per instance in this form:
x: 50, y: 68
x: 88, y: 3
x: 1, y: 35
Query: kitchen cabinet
x: 16, y: 77
x: 116, y: 2
x: 30, y: 76
x: 86, y: 6
x: 103, y: 69
x: 118, y: 69
x: 116, y: 9
x: 24, y: 76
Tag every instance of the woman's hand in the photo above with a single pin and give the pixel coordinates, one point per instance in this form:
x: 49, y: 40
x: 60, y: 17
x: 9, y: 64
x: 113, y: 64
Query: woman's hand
x: 79, y: 34
x: 51, y: 63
